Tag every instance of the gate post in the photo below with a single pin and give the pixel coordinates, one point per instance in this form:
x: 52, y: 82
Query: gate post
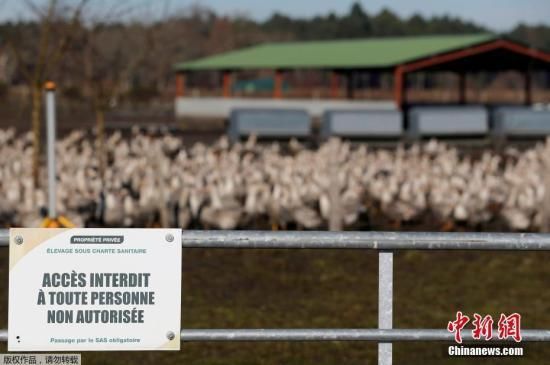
x: 50, y: 127
x: 385, y: 303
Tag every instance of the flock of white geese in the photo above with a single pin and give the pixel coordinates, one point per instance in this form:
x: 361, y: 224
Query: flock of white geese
x: 153, y: 179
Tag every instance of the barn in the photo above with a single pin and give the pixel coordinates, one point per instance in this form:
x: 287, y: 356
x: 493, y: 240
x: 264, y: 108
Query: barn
x: 352, y: 70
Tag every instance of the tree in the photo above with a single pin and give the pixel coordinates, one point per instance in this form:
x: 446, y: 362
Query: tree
x: 110, y: 53
x: 356, y: 23
x: 536, y: 35
x: 416, y: 24
x: 38, y: 57
x: 387, y: 23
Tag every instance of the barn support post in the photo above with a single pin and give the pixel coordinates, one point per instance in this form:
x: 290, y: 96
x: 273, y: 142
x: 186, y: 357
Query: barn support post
x: 227, y: 83
x: 334, y: 84
x: 399, y: 87
x: 350, y: 84
x: 278, y: 84
x: 462, y: 79
x: 181, y: 78
x: 528, y: 87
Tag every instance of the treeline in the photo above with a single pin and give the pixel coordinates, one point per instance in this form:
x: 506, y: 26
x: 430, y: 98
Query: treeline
x: 358, y: 23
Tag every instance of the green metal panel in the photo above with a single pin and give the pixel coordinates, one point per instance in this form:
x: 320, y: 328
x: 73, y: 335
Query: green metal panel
x: 359, y: 53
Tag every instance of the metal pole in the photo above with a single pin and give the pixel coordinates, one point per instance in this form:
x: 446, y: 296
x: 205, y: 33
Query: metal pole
x: 359, y: 240
x: 327, y: 334
x: 366, y: 240
x: 50, y: 125
x: 385, y: 303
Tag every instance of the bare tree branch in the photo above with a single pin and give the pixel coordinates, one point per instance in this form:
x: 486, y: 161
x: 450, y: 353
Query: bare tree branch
x: 67, y: 37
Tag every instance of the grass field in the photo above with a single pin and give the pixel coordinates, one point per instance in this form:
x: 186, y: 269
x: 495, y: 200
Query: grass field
x: 301, y: 289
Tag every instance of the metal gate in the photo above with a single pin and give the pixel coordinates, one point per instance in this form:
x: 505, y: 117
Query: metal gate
x: 385, y: 243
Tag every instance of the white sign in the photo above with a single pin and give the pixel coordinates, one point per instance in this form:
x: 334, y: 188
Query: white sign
x: 94, y: 289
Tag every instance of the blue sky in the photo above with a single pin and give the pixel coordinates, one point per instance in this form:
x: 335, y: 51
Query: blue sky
x: 500, y: 15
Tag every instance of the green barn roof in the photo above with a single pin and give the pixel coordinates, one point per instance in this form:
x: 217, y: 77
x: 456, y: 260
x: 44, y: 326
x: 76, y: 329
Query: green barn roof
x: 356, y: 53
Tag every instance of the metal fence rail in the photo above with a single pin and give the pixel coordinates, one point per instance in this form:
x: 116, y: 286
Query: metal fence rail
x: 367, y: 240
x: 322, y: 334
x: 333, y: 334
x: 384, y: 243
x: 359, y: 240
